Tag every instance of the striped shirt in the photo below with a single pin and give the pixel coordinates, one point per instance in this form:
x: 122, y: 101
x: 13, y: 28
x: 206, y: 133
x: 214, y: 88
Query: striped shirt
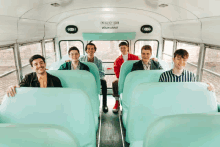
x: 186, y: 76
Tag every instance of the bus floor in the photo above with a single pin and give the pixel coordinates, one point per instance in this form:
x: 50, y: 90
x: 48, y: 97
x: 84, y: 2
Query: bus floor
x: 111, y: 132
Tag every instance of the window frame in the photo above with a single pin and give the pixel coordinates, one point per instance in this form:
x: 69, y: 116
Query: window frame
x: 147, y: 40
x: 70, y: 40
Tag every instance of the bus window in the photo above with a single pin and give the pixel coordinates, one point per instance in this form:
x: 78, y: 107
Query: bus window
x: 107, y: 51
x: 140, y: 43
x: 193, y: 51
x: 50, y: 53
x: 211, y: 69
x: 26, y: 51
x: 66, y: 44
x: 8, y: 74
x: 168, y: 52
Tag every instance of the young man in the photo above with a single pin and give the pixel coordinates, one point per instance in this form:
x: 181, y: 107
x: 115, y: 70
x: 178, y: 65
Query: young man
x: 90, y: 57
x: 146, y: 63
x: 38, y: 78
x: 178, y: 73
x: 125, y: 56
x: 74, y: 63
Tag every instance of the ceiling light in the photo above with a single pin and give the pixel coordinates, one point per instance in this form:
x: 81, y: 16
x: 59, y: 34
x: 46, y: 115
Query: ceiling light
x: 163, y: 5
x: 55, y: 4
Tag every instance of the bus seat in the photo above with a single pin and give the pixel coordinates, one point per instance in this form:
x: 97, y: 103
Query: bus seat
x: 95, y: 71
x: 83, y: 80
x: 126, y: 69
x: 92, y: 67
x: 188, y: 130
x: 164, y: 64
x: 152, y: 100
x: 66, y: 107
x: 35, y: 135
x: 132, y: 80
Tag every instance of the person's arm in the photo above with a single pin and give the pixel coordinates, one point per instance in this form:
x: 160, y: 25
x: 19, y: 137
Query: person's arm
x: 159, y: 66
x: 57, y: 83
x: 161, y: 79
x: 11, y: 90
x: 211, y: 87
x: 63, y: 66
x: 116, y: 68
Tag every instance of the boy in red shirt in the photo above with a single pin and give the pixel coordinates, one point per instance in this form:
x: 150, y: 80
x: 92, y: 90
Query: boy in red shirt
x: 125, y: 56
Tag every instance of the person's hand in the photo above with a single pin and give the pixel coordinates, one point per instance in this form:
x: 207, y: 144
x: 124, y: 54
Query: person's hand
x: 67, y: 60
x: 11, y: 91
x: 211, y: 87
x: 155, y: 59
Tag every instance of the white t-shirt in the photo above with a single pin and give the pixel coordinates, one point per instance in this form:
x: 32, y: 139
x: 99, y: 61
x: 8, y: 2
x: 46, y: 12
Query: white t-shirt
x: 125, y: 57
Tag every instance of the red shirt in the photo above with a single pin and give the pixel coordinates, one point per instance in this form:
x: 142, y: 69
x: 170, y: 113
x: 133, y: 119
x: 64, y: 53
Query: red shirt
x: 119, y: 61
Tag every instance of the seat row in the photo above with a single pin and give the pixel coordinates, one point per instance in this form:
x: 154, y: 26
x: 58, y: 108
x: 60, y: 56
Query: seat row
x: 145, y: 100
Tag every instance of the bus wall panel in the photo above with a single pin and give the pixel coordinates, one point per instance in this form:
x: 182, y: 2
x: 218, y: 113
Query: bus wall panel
x: 210, y: 30
x: 183, y: 30
x: 50, y: 30
x: 8, y: 29
x: 90, y: 23
x: 30, y: 30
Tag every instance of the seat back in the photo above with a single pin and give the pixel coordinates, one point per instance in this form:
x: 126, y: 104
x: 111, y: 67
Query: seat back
x: 35, y: 135
x: 83, y: 80
x: 92, y: 67
x: 132, y: 80
x: 95, y: 71
x: 66, y: 107
x: 125, y: 69
x: 189, y: 130
x: 152, y: 100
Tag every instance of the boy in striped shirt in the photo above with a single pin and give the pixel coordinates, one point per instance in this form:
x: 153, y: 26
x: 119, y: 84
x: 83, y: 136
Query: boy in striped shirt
x: 178, y: 73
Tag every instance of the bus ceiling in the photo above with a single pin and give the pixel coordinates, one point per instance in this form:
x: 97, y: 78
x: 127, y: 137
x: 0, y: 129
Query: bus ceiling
x: 109, y: 36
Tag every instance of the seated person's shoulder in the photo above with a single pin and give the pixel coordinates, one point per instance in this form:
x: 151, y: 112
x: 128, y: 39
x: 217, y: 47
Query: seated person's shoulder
x: 53, y: 77
x: 84, y: 66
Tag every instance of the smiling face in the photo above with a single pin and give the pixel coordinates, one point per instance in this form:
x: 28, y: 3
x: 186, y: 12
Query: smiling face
x: 180, y: 62
x: 124, y: 49
x: 74, y: 55
x: 39, y: 66
x: 145, y: 55
x: 90, y: 50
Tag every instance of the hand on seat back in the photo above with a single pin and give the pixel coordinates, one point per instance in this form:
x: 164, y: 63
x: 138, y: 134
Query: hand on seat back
x: 67, y: 60
x: 11, y: 91
x: 155, y: 59
x: 211, y: 87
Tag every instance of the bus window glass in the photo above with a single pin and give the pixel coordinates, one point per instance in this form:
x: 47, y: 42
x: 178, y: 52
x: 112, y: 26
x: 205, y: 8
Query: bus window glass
x: 168, y: 47
x: 212, y: 63
x: 140, y: 43
x: 168, y: 52
x: 65, y: 45
x: 26, y: 51
x: 107, y: 51
x: 8, y: 76
x: 50, y: 53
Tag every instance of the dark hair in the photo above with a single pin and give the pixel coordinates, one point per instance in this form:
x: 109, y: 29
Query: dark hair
x: 181, y: 52
x: 35, y: 57
x: 72, y: 49
x: 123, y: 43
x: 90, y: 44
x: 146, y: 47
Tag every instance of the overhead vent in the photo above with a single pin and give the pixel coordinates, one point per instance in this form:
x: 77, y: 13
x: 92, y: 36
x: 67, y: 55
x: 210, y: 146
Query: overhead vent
x: 71, y: 29
x: 163, y: 5
x: 55, y: 4
x: 146, y: 29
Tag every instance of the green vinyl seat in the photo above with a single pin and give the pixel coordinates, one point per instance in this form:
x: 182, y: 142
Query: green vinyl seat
x: 36, y: 135
x: 92, y: 67
x: 66, y: 107
x: 186, y: 130
x: 132, y: 80
x: 152, y: 100
x: 83, y: 80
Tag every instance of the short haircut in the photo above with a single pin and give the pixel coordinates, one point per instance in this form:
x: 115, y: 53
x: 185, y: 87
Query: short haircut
x: 35, y: 57
x: 72, y: 49
x: 181, y: 52
x: 146, y: 47
x: 90, y: 44
x: 123, y: 43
